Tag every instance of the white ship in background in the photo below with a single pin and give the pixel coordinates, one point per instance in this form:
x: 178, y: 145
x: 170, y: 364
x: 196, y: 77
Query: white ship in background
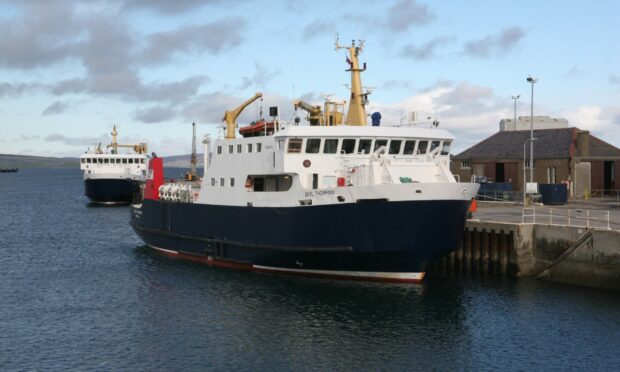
x: 337, y: 198
x: 111, y: 177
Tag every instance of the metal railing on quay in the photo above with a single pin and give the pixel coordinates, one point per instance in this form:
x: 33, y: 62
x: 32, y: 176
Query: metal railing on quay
x: 596, y: 219
x: 500, y: 196
x: 605, y: 194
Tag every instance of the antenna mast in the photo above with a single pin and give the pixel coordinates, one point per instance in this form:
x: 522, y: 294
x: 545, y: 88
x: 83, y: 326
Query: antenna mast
x: 357, y: 103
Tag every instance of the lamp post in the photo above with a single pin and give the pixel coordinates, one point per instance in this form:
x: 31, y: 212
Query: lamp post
x: 532, y: 81
x: 530, y: 140
x: 515, y: 98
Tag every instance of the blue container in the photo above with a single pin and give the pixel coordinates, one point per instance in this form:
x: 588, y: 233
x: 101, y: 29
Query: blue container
x: 553, y: 194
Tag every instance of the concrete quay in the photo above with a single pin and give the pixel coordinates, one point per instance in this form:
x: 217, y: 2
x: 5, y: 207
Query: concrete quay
x: 496, y: 242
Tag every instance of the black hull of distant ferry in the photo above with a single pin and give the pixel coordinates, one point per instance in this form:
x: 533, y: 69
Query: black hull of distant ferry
x: 111, y: 191
x: 375, y: 237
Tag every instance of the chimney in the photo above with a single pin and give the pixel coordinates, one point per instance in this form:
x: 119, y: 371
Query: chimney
x: 583, y: 143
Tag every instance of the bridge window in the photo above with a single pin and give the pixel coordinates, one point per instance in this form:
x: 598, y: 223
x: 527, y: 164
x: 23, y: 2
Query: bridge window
x: 422, y: 147
x: 130, y: 161
x: 88, y: 160
x: 348, y: 146
x: 294, y: 145
x: 258, y: 147
x: 445, y: 150
x: 434, y: 145
x: 395, y: 147
x: 313, y: 145
x: 83, y: 160
x: 330, y: 146
x: 409, y: 147
x: 249, y: 147
x: 106, y: 161
x: 379, y: 143
x: 364, y: 146
x: 124, y: 160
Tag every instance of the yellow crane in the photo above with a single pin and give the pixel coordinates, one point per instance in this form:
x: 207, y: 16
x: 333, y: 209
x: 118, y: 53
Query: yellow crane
x: 315, y: 114
x: 333, y: 114
x: 230, y: 117
x: 140, y: 148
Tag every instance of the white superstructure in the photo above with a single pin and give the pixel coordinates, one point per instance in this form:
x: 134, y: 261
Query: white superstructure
x: 114, y: 166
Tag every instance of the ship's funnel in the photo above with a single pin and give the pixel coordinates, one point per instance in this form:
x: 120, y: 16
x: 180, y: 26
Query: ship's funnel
x: 154, y: 179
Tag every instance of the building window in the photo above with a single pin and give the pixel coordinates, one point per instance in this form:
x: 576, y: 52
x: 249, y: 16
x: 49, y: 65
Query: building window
x: 249, y: 147
x: 380, y: 143
x: 363, y: 147
x: 239, y: 149
x: 422, y: 145
x: 258, y: 147
x: 232, y: 182
x: 331, y: 146
x: 409, y: 147
x: 231, y: 149
x: 219, y: 150
x: 313, y: 145
x: 551, y: 175
x: 395, y: 147
x: 222, y: 181
x: 527, y: 164
x: 294, y: 144
x: 348, y: 146
x: 445, y: 150
x: 465, y: 164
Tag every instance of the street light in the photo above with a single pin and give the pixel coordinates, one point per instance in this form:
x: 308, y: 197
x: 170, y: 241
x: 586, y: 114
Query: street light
x: 530, y: 140
x: 532, y: 81
x: 516, y: 98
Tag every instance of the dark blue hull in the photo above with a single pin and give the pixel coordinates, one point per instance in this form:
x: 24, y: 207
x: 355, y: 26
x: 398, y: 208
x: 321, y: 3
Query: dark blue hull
x: 368, y: 237
x: 111, y: 190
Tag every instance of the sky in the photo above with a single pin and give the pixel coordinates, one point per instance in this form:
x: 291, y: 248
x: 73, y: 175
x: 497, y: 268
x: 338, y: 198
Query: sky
x: 71, y: 69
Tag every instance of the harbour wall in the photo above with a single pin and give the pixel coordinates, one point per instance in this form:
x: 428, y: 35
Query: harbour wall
x: 574, y: 255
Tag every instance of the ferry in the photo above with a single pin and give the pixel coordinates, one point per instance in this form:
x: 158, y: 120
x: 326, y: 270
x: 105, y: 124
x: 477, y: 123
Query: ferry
x: 337, y: 198
x: 111, y: 177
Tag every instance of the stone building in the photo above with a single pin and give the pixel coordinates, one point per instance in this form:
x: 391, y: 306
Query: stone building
x: 561, y: 154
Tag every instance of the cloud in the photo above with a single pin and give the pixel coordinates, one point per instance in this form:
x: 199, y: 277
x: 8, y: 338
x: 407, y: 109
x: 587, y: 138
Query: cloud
x: 213, y: 37
x: 43, y: 33
x: 16, y: 89
x: 402, y: 15
x: 397, y: 84
x: 72, y: 141
x: 424, y: 51
x: 575, y: 72
x: 260, y: 79
x: 318, y: 27
x: 25, y: 137
x: 497, y: 44
x: 169, y: 7
x: 154, y: 114
x: 55, y: 108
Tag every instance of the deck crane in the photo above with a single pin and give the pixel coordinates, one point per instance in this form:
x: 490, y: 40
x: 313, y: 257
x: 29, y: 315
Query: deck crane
x: 230, y: 117
x: 140, y: 148
x: 315, y: 114
x: 191, y: 175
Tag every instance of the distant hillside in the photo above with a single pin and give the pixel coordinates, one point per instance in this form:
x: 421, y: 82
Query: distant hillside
x: 27, y: 161
x: 181, y: 161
